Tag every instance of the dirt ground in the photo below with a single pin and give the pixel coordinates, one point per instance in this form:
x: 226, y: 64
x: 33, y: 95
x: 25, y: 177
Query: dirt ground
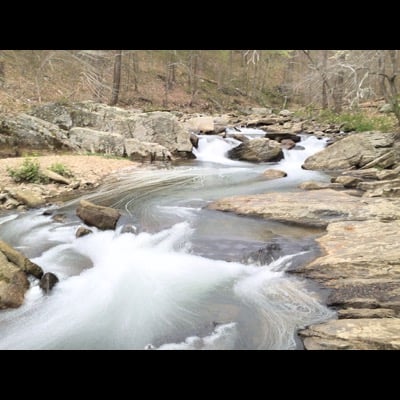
x: 89, y: 171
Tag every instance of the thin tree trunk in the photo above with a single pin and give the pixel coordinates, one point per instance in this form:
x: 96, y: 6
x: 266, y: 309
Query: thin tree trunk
x: 324, y: 83
x: 339, y: 88
x: 116, y: 78
x: 2, y: 74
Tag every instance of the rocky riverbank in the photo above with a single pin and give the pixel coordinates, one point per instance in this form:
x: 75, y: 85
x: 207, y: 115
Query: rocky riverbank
x: 88, y: 172
x: 361, y: 261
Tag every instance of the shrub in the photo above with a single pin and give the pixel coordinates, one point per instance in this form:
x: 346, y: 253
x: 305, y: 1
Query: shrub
x: 61, y: 169
x: 29, y: 171
x: 358, y: 121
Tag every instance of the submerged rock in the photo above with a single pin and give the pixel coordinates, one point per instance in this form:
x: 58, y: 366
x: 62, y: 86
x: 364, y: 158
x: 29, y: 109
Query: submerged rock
x: 98, y: 216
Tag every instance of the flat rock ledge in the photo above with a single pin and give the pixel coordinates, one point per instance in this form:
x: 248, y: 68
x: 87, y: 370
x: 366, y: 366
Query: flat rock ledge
x: 360, y: 265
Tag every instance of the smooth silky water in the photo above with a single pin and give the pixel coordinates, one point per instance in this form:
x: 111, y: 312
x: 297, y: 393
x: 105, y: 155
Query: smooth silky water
x: 183, y: 280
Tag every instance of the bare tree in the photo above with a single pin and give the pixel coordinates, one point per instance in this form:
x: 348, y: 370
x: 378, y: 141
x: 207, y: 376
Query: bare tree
x: 116, y: 78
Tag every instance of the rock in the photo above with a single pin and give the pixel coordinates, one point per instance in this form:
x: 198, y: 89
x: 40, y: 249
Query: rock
x: 154, y: 127
x: 194, y: 139
x: 97, y: 141
x: 314, y: 185
x: 55, y: 113
x: 11, y: 203
x: 356, y: 150
x: 286, y: 113
x: 370, y: 173
x: 361, y: 264
x: 159, y: 127
x: 28, y: 197
x: 386, y: 108
x: 386, y: 160
x: 264, y: 256
x: 13, y: 284
x: 323, y: 206
x: 347, y: 181
x: 256, y: 123
x: 48, y: 281
x: 240, y: 137
x: 82, y: 231
x: 355, y: 313
x: 98, y: 216
x: 200, y: 124
x: 53, y: 176
x: 279, y: 136
x: 388, y: 174
x: 257, y: 150
x: 271, y: 174
x: 392, y: 183
x: 141, y: 151
x: 354, y: 334
x: 128, y: 228
x: 28, y: 132
x: 287, y: 144
x: 20, y: 261
x: 59, y: 218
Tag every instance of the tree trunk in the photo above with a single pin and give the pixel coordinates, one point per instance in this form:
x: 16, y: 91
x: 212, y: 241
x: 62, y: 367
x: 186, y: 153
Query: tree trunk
x: 324, y: 99
x: 338, y: 91
x: 2, y: 74
x: 116, y: 78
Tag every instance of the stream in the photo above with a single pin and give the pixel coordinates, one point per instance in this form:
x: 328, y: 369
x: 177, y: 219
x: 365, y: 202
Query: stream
x: 188, y: 278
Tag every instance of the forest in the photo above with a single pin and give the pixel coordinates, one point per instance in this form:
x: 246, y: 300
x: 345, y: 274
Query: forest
x: 199, y: 199
x: 203, y: 80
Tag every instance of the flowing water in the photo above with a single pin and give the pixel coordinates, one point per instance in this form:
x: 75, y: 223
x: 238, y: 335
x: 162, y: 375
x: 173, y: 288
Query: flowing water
x: 185, y: 279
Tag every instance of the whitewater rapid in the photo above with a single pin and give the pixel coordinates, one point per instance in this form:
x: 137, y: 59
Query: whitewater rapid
x: 180, y: 282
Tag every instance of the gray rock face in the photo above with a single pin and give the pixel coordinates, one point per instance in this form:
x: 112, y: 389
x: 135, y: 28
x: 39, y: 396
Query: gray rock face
x: 154, y: 127
x: 141, y: 151
x: 257, y: 150
x: 356, y: 150
x: 26, y: 131
x: 97, y: 141
x: 98, y: 216
x: 200, y: 124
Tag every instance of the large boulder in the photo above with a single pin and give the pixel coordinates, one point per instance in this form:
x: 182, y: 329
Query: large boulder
x: 203, y: 124
x: 13, y: 284
x: 356, y: 150
x: 141, y: 151
x: 97, y: 141
x: 20, y: 261
x: 28, y: 132
x: 98, y: 216
x: 257, y: 150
